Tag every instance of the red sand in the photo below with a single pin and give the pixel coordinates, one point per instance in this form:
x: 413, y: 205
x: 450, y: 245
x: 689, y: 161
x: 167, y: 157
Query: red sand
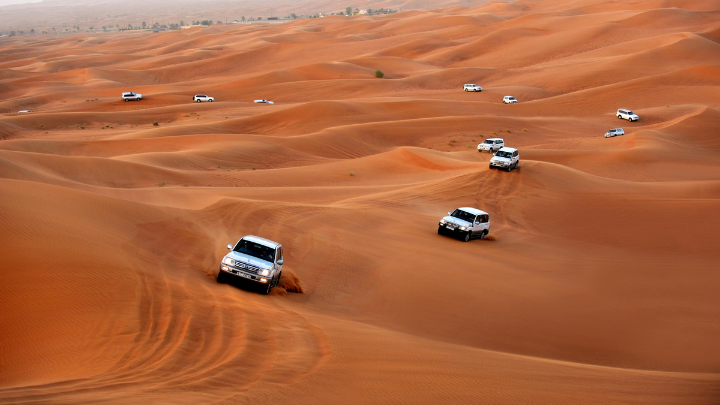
x: 600, y: 283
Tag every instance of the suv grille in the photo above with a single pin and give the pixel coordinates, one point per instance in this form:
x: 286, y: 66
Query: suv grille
x: 246, y: 267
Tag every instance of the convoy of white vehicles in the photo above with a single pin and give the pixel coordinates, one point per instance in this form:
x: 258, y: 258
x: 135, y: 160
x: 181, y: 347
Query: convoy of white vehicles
x: 260, y: 260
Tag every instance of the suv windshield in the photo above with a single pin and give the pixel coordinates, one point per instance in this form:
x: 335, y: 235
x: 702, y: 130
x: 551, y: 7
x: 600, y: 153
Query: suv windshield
x: 628, y: 112
x: 489, y: 141
x: 465, y: 216
x: 503, y: 154
x: 255, y: 250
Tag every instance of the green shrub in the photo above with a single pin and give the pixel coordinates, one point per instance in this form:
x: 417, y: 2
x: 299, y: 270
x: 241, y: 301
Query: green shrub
x: 379, y: 74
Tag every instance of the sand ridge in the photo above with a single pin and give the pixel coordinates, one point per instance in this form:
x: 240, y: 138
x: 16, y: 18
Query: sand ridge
x: 599, y: 284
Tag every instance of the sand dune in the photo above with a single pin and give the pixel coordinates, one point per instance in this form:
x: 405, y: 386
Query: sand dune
x: 598, y: 284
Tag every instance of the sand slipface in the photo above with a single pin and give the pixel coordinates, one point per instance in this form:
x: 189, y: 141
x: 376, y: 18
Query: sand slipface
x: 598, y: 283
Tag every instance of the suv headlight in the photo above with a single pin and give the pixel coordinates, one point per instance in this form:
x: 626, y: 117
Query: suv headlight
x: 462, y: 228
x: 228, y: 260
x: 265, y: 272
x: 442, y: 222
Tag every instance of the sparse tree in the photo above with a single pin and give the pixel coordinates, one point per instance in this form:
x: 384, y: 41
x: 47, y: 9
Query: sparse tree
x: 348, y: 10
x: 293, y: 16
x: 218, y: 22
x: 144, y: 24
x: 32, y: 31
x: 242, y: 18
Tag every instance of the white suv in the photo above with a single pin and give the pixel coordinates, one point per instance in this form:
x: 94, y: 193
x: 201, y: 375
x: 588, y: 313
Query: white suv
x: 199, y: 98
x: 509, y: 100
x: 491, y: 145
x: 614, y: 132
x: 254, y: 259
x: 506, y: 158
x: 472, y: 87
x: 129, y: 95
x: 627, y: 115
x: 466, y: 223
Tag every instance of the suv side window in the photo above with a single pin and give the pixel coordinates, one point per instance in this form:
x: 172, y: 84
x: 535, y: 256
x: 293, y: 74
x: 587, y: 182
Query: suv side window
x: 279, y: 254
x: 515, y: 154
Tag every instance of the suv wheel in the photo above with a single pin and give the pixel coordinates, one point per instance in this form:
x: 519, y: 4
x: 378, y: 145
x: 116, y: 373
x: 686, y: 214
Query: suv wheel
x: 440, y: 230
x: 221, y: 277
x: 277, y: 280
x: 466, y: 238
x: 265, y: 290
x: 482, y: 234
x: 126, y: 99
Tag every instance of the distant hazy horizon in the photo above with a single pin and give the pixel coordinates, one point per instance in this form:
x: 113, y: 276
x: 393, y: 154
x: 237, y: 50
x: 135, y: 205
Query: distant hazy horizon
x: 10, y: 2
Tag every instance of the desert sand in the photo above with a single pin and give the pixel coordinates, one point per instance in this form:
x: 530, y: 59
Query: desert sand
x: 599, y: 284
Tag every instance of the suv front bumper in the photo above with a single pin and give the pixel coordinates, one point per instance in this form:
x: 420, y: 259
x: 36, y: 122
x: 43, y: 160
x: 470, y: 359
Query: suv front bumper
x: 229, y: 270
x: 503, y: 165
x: 454, y: 231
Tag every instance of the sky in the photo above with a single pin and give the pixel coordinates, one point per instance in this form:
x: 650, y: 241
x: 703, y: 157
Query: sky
x: 8, y: 2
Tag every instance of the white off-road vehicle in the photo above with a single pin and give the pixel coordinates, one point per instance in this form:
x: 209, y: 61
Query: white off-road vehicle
x: 263, y: 101
x: 509, y: 100
x: 129, y: 95
x: 614, y: 132
x: 465, y: 223
x: 255, y: 259
x: 506, y: 158
x: 199, y: 98
x: 472, y: 87
x: 491, y: 145
x: 626, y: 114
